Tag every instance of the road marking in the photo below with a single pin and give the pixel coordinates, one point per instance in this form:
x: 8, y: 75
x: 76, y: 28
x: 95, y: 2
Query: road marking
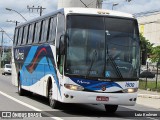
x: 29, y: 106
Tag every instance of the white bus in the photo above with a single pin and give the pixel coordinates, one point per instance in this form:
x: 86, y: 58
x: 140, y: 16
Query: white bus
x: 79, y: 55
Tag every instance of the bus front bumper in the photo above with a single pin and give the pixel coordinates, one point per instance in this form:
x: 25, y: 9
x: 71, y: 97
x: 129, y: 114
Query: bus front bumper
x: 128, y: 99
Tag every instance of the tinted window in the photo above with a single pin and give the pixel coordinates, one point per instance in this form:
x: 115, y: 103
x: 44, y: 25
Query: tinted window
x: 60, y: 28
x: 44, y: 30
x: 74, y: 22
x: 37, y: 32
x: 120, y: 25
x: 20, y: 35
x: 52, y: 31
x: 8, y: 66
x: 31, y: 33
x: 16, y: 36
x: 25, y: 34
x: 102, y: 47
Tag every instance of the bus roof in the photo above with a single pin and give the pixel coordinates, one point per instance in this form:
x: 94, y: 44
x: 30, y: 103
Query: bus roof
x: 95, y: 11
x: 87, y: 11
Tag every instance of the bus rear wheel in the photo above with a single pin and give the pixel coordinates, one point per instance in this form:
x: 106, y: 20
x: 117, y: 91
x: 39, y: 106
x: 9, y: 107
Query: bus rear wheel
x: 52, y: 102
x: 20, y: 90
x: 111, y: 108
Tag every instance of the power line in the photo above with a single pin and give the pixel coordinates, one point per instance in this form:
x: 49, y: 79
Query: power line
x: 6, y: 34
x: 92, y: 2
x: 84, y: 4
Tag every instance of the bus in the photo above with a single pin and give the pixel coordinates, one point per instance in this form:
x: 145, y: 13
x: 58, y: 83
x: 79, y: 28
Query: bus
x: 79, y: 55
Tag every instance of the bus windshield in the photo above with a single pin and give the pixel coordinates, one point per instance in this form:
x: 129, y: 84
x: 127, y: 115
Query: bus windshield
x: 102, y: 47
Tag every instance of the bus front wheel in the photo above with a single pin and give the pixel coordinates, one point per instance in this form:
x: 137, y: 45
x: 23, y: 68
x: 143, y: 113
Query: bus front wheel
x: 53, y: 103
x: 111, y: 108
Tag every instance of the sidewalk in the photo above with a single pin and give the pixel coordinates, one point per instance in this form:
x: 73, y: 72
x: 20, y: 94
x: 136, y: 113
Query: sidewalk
x: 149, y: 99
x: 148, y: 94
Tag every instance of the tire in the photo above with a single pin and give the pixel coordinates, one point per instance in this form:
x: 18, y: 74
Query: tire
x: 111, y: 108
x: 21, y: 91
x: 52, y: 102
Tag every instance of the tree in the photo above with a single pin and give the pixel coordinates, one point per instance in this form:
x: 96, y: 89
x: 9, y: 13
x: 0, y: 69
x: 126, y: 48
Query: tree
x: 155, y: 54
x: 8, y: 56
x: 145, y: 44
x: 146, y: 49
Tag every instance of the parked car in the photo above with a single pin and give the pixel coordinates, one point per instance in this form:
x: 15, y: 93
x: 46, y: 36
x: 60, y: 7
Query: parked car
x: 7, y: 69
x: 147, y: 74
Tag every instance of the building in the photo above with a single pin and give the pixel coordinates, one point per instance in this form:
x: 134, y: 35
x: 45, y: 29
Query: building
x: 80, y: 3
x: 149, y: 26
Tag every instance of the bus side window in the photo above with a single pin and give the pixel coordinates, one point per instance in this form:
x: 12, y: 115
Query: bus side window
x: 37, y: 32
x: 31, y: 33
x: 25, y: 34
x: 52, y: 30
x: 44, y: 30
x: 28, y: 34
x: 16, y: 36
x: 20, y: 35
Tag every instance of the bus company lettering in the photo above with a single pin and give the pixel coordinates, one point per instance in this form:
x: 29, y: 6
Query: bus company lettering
x: 19, y: 55
x: 82, y: 82
x: 129, y: 84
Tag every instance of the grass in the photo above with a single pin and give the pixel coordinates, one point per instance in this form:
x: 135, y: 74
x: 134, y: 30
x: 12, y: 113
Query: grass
x: 150, y: 85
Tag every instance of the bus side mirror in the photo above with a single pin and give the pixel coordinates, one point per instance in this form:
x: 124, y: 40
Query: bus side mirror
x: 62, y: 45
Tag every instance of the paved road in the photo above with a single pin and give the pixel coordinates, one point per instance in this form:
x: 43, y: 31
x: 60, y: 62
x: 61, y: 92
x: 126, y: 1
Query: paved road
x: 11, y: 101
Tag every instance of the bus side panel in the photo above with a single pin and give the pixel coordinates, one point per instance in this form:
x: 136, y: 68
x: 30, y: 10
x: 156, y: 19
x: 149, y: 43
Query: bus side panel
x: 36, y: 68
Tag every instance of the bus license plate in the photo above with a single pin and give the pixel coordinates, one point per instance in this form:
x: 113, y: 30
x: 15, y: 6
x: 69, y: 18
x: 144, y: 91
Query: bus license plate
x: 102, y: 98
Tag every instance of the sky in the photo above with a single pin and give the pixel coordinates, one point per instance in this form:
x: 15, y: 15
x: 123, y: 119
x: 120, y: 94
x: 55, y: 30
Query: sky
x: 135, y: 6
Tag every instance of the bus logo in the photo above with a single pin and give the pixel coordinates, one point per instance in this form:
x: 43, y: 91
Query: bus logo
x: 19, y: 55
x: 82, y: 82
x: 103, y: 88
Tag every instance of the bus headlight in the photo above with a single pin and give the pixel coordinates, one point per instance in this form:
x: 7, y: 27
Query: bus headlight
x: 130, y: 90
x: 73, y: 87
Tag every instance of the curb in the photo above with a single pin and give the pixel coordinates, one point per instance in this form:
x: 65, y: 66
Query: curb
x: 149, y: 96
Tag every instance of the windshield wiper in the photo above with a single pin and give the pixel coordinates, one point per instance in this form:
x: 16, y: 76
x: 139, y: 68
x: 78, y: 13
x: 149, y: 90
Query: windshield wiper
x: 92, y: 61
x: 115, y: 66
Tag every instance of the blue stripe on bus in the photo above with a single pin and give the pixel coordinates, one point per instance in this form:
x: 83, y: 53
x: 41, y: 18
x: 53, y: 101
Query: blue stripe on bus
x: 29, y: 79
x: 94, y: 85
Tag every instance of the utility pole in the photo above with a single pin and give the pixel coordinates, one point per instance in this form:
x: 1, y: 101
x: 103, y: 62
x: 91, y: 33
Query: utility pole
x: 13, y: 22
x: 2, y: 49
x: 39, y: 8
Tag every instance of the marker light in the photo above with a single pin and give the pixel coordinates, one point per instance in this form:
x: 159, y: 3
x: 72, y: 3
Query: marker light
x: 102, y: 12
x: 74, y: 87
x: 130, y: 90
